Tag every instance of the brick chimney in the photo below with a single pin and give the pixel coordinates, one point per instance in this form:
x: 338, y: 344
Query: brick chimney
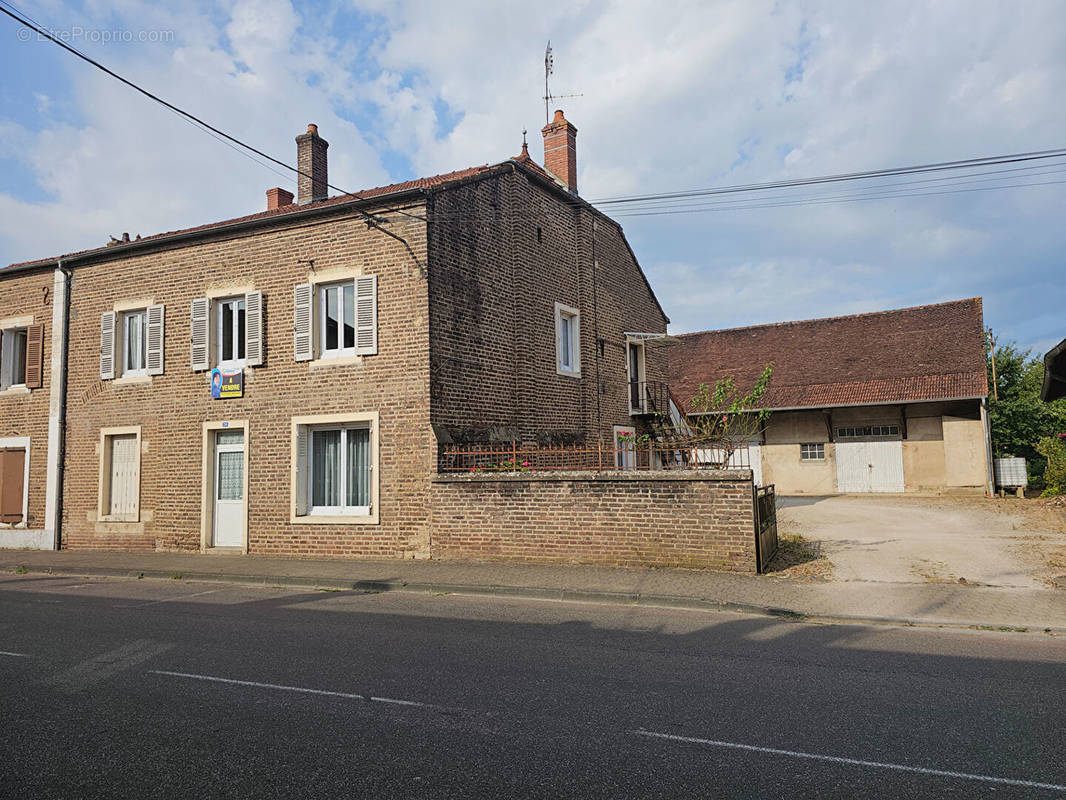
x: 311, y: 161
x: 278, y: 197
x: 560, y: 150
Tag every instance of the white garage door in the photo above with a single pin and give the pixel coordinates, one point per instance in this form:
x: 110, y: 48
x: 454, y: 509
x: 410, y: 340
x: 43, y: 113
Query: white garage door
x: 869, y: 466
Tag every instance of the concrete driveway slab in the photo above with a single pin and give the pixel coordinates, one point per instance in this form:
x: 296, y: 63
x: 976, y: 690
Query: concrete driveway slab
x: 919, y: 539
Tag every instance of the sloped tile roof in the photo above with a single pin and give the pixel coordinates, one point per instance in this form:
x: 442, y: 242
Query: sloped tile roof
x: 430, y: 182
x: 932, y: 352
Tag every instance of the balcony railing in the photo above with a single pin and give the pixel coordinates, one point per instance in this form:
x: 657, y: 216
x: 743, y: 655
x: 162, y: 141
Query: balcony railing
x: 649, y: 397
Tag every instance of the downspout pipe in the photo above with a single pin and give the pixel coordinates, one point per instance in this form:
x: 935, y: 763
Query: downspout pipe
x: 57, y: 405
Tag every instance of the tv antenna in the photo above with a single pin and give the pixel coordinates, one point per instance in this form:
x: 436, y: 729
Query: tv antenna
x: 549, y: 63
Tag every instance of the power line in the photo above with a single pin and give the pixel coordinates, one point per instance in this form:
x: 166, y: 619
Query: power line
x: 851, y: 176
x: 637, y: 205
x: 830, y: 201
x: 21, y: 18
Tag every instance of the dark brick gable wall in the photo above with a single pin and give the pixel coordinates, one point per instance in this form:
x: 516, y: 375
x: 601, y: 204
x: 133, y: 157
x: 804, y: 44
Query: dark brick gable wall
x: 503, y: 251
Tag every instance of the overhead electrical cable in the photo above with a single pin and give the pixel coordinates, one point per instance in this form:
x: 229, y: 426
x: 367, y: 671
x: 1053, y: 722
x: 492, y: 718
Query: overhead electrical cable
x: 20, y: 17
x: 681, y: 202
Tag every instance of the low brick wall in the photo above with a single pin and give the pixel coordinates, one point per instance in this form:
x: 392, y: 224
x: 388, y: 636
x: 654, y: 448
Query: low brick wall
x: 671, y: 519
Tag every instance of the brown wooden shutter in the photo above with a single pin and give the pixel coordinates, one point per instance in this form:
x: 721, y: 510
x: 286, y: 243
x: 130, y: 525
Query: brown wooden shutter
x: 34, y: 356
x: 12, y: 485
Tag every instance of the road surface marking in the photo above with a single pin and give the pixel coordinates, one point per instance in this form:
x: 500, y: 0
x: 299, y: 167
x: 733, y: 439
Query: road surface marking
x: 14, y: 655
x: 100, y: 668
x: 854, y: 761
x: 171, y: 599
x: 281, y: 688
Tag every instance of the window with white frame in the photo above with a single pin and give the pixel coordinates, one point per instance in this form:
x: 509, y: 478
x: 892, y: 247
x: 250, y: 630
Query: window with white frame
x: 339, y: 477
x: 812, y: 452
x: 12, y: 357
x: 334, y: 463
x: 134, y: 342
x: 230, y: 325
x: 336, y: 318
x: 567, y: 340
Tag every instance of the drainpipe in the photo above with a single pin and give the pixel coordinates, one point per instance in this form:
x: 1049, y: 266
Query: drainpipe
x: 57, y: 406
x: 990, y: 477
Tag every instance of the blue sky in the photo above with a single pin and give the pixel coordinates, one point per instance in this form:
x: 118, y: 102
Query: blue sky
x: 685, y: 96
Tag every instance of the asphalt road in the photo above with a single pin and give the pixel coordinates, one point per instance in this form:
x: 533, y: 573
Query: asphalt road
x: 156, y: 689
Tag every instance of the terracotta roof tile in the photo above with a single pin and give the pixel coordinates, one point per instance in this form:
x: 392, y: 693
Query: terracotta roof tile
x: 933, y: 352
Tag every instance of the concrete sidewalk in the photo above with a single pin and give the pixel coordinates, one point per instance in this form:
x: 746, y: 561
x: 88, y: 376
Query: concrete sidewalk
x: 847, y: 601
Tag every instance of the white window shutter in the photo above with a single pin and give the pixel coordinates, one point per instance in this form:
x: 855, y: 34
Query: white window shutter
x: 201, y: 334
x: 107, y: 345
x: 302, y: 341
x: 303, y: 466
x: 154, y: 350
x: 253, y: 329
x: 366, y: 315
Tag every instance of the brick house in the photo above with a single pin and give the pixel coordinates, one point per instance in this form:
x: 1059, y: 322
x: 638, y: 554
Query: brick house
x: 282, y: 383
x: 32, y: 304
x: 893, y: 401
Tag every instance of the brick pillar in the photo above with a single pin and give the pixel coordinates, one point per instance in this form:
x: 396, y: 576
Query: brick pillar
x: 311, y: 161
x: 560, y: 150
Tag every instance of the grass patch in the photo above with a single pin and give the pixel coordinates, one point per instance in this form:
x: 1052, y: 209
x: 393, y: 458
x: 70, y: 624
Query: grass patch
x: 800, y: 557
x: 20, y: 570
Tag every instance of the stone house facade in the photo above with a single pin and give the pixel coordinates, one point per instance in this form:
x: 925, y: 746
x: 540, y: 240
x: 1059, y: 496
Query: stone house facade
x: 282, y: 383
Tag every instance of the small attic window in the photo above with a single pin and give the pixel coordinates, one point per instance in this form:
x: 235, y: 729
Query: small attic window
x: 540, y: 235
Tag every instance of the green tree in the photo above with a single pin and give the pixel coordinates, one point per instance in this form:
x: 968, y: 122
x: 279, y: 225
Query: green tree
x: 1019, y: 418
x: 722, y: 418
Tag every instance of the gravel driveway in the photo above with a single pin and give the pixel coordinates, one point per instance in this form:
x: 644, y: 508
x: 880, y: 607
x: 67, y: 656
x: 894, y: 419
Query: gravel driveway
x: 909, y: 539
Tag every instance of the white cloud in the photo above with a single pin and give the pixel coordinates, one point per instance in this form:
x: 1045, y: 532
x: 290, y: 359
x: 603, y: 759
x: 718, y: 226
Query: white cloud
x: 686, y: 95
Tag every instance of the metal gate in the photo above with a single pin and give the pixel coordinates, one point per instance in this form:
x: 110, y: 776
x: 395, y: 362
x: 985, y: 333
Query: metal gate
x: 765, y: 527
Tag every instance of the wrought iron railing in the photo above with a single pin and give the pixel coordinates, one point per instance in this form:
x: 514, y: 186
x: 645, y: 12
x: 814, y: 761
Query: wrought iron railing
x: 649, y: 397
x: 635, y: 454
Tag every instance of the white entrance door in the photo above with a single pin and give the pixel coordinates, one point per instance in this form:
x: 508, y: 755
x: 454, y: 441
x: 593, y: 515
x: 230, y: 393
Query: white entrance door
x: 229, y: 489
x: 869, y: 466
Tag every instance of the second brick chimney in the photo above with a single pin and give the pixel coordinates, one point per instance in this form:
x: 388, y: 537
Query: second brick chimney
x: 278, y: 197
x: 313, y: 182
x: 560, y: 150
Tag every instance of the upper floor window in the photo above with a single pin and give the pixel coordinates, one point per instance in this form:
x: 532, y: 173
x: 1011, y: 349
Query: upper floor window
x: 637, y: 372
x: 231, y: 323
x: 567, y: 340
x: 227, y: 332
x: 12, y: 357
x: 134, y: 342
x: 336, y: 320
x: 131, y: 343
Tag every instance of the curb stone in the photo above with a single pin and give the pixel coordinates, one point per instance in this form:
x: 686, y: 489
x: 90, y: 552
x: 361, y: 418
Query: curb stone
x: 524, y: 592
